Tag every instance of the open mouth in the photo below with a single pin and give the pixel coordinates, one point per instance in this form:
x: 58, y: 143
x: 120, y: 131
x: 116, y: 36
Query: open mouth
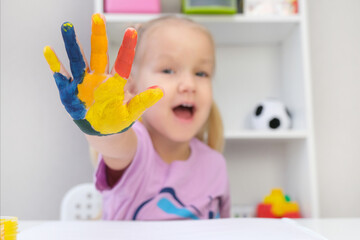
x: 184, y: 111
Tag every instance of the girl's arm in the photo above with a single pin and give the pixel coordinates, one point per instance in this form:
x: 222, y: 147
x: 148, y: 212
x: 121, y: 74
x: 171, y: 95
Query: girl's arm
x: 118, y: 150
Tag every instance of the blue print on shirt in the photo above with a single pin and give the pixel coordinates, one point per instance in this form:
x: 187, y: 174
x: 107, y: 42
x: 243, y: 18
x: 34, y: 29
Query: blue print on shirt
x: 167, y: 206
x: 169, y: 203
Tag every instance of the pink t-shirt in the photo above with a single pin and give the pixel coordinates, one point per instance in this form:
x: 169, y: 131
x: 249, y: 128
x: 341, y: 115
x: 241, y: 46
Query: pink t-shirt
x: 151, y: 189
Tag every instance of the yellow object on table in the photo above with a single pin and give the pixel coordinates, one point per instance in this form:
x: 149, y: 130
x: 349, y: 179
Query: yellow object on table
x: 8, y: 228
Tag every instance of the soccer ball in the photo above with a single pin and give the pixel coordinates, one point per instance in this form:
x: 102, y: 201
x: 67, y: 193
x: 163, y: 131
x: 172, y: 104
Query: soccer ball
x: 271, y: 114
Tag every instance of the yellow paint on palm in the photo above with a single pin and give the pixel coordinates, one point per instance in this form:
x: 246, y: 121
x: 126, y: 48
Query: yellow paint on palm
x: 86, y: 88
x: 109, y: 114
x: 99, y: 45
x: 52, y: 60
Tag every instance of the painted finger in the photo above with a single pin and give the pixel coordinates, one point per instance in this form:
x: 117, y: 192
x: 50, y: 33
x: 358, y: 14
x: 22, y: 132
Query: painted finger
x: 76, y: 58
x: 99, y: 45
x: 54, y: 62
x: 62, y: 77
x: 144, y: 100
x: 126, y: 53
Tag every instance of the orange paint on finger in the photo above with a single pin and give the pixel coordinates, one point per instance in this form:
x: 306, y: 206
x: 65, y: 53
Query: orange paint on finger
x: 126, y: 53
x: 98, y: 25
x: 99, y: 45
x: 87, y: 87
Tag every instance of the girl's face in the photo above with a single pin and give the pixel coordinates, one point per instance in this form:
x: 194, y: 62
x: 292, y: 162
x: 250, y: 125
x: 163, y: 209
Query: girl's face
x: 179, y: 58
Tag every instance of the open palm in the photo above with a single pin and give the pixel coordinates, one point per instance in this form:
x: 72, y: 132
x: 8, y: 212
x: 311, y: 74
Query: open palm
x: 94, y: 97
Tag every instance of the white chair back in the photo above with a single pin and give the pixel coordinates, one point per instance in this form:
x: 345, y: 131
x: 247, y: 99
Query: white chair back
x: 82, y: 202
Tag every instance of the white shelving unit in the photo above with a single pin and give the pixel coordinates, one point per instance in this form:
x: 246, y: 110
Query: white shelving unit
x: 257, y: 57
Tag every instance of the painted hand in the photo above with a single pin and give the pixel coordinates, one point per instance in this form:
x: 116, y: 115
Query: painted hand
x: 93, y: 97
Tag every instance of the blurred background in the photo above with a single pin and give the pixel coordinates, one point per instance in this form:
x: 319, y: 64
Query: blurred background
x: 43, y: 154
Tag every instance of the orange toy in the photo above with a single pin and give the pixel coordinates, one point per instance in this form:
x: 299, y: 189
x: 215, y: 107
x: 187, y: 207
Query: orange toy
x: 276, y: 205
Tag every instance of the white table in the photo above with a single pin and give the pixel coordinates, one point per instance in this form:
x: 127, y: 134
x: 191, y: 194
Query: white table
x: 332, y: 229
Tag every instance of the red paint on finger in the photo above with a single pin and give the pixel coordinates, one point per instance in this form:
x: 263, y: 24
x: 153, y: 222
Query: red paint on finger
x: 130, y: 38
x: 153, y: 87
x: 126, y: 53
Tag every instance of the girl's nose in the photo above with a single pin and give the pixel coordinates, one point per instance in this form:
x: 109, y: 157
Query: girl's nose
x: 187, y: 83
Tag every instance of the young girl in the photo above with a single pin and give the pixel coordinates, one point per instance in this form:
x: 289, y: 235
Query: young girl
x: 167, y: 165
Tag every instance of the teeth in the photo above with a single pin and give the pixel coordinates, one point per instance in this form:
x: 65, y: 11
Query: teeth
x: 186, y: 105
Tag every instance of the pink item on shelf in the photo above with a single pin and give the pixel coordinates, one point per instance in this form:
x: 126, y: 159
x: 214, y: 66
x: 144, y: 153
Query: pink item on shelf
x: 133, y: 6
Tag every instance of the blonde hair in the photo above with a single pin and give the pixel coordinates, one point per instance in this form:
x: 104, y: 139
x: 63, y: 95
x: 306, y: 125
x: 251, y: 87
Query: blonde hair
x: 212, y: 132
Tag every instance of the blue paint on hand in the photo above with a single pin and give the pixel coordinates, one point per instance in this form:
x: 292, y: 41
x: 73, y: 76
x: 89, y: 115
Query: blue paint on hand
x: 68, y: 96
x: 77, y: 63
x: 67, y: 87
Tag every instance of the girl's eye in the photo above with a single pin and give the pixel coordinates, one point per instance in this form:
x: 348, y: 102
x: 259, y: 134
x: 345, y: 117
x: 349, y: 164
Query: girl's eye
x: 168, y: 71
x: 202, y: 74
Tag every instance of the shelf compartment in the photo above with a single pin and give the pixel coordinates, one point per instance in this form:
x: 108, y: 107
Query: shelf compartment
x: 246, y: 75
x: 232, y: 29
x: 255, y: 168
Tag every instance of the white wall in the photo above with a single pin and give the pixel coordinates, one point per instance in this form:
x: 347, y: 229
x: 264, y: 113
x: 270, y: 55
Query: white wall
x: 43, y: 153
x: 335, y: 50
